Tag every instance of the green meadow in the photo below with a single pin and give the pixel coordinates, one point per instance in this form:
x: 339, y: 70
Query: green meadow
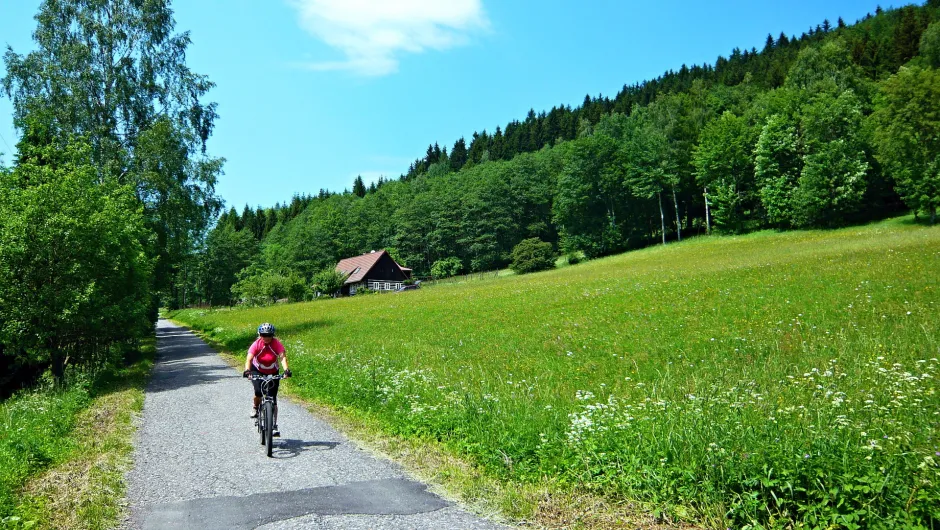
x: 770, y: 380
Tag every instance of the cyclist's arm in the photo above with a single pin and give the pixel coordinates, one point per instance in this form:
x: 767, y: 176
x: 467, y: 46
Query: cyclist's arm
x: 284, y: 361
x: 248, y: 360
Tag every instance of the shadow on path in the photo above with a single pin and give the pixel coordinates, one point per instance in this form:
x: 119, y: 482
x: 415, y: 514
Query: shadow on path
x: 184, y: 360
x: 289, y: 448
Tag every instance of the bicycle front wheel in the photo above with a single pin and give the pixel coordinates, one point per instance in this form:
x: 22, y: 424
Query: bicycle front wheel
x: 260, y: 422
x: 269, y: 426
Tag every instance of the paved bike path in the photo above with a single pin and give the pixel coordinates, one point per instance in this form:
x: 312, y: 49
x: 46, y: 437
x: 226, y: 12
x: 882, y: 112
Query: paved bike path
x: 198, y: 461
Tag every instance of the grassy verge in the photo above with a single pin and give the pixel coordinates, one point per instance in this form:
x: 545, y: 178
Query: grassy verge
x: 63, y: 454
x: 771, y: 380
x: 546, y: 504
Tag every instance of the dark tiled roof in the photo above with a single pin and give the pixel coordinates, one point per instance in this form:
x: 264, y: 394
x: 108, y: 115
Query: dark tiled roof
x: 359, y: 266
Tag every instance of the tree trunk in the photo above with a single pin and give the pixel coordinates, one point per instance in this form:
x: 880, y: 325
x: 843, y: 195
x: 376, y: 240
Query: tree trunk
x: 708, y: 224
x: 675, y: 203
x: 662, y: 217
x: 58, y: 359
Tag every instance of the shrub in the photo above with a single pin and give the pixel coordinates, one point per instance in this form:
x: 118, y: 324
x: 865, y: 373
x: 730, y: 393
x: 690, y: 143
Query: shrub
x: 328, y: 281
x: 267, y: 287
x: 532, y: 255
x: 574, y: 258
x: 447, y: 267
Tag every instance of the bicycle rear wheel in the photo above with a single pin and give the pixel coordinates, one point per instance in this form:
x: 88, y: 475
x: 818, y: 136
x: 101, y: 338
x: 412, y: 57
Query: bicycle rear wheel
x: 269, y: 426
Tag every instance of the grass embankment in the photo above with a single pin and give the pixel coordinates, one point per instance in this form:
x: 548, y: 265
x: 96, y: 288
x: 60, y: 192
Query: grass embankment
x: 768, y: 380
x: 63, y: 453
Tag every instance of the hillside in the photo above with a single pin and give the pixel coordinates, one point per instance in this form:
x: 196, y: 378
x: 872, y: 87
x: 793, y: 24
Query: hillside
x: 833, y: 128
x: 775, y: 377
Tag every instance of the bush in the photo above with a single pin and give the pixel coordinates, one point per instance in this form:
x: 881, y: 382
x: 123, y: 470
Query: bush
x: 574, y: 258
x: 447, y: 267
x: 267, y: 287
x: 532, y: 255
x: 328, y: 281
x: 73, y: 272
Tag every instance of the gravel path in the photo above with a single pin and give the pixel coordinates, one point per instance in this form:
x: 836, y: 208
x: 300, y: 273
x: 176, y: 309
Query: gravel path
x: 199, y: 463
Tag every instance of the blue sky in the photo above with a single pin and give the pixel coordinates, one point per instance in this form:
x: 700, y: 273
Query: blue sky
x: 313, y: 92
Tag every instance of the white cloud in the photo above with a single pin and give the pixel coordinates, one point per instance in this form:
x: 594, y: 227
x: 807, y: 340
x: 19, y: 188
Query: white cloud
x: 374, y: 33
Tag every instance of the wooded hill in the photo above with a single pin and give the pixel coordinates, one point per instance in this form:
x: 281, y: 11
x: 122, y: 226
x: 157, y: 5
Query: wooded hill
x: 836, y: 126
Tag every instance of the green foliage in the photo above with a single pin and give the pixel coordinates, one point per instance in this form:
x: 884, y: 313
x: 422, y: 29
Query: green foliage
x: 328, y: 282
x: 573, y: 258
x: 226, y: 253
x: 777, y: 166
x: 115, y: 71
x: 724, y: 164
x: 74, y: 276
x: 791, y: 392
x: 532, y: 255
x: 930, y: 45
x: 833, y: 180
x: 907, y: 136
x: 591, y: 198
x: 267, y: 287
x: 827, y: 68
x: 447, y: 267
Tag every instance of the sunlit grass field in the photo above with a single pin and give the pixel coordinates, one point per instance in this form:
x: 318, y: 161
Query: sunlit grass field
x: 765, y: 380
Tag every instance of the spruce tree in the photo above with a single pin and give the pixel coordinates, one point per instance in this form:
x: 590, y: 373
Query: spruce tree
x: 458, y: 155
x: 769, y: 44
x: 359, y: 187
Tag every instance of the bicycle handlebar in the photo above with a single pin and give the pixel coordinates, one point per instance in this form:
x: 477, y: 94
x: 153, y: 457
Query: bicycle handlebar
x: 269, y: 377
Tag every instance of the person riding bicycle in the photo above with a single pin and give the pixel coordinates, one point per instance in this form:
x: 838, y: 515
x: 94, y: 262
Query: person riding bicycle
x: 262, y: 359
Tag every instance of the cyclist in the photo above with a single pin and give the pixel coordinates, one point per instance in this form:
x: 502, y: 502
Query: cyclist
x: 262, y: 359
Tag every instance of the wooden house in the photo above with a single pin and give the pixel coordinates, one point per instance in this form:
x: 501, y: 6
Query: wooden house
x: 374, y: 270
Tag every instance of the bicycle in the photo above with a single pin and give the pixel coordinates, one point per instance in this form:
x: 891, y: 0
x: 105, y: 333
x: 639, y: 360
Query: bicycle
x: 266, y: 410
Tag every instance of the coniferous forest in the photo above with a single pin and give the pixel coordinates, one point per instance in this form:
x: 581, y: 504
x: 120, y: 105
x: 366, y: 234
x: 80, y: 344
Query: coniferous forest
x: 839, y: 125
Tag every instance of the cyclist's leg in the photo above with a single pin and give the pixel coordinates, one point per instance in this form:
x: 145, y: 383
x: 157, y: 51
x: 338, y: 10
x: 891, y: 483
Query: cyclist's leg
x: 257, y: 397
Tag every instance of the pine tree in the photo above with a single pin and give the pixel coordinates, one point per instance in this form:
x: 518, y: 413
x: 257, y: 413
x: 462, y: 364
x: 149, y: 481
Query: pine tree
x: 248, y: 220
x: 359, y: 188
x: 458, y: 155
x: 496, y: 145
x: 270, y: 221
x: 907, y: 34
x: 233, y: 219
x: 769, y: 44
x: 260, y: 221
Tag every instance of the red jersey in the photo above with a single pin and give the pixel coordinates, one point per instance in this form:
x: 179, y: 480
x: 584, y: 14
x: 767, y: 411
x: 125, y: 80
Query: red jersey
x: 264, y: 357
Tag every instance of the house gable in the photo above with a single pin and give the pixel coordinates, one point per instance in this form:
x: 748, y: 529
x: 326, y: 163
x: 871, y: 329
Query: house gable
x: 371, y: 266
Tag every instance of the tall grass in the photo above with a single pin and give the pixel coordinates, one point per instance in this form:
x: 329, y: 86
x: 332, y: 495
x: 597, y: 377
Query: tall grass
x: 768, y: 380
x: 33, y: 436
x: 64, y: 449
